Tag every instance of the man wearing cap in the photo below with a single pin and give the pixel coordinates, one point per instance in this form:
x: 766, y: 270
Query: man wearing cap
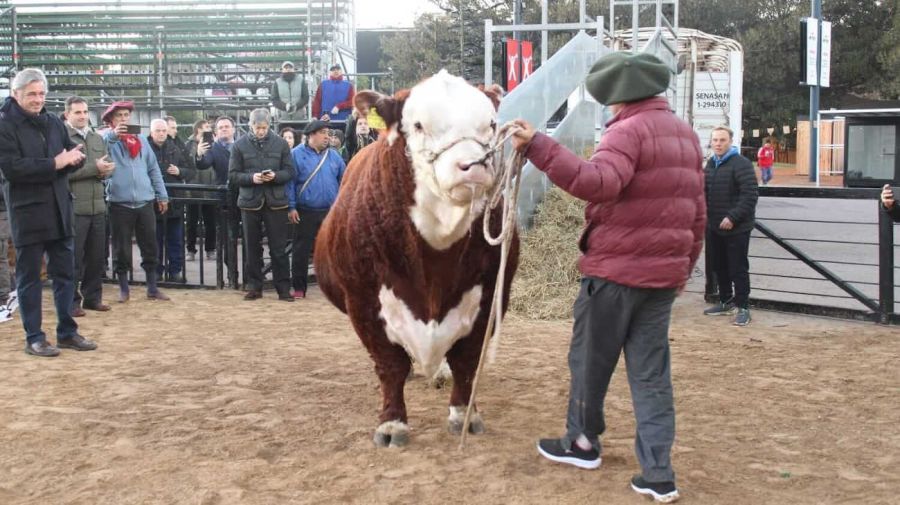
x: 136, y: 188
x: 36, y: 158
x: 644, y: 230
x: 318, y: 170
x: 290, y: 94
x: 260, y: 166
x: 334, y: 97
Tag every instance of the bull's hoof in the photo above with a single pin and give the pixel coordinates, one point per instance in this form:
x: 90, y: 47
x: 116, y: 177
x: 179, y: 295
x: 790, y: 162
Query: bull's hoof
x: 457, y: 418
x: 442, y: 377
x: 391, y: 434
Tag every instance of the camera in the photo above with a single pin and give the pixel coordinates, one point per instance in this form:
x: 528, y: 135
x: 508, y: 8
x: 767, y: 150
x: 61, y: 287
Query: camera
x: 133, y: 129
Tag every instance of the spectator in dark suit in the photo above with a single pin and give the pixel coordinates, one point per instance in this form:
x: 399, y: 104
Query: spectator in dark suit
x: 36, y: 157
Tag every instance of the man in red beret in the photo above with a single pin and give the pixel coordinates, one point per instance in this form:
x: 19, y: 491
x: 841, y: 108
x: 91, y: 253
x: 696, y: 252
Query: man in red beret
x: 135, y: 188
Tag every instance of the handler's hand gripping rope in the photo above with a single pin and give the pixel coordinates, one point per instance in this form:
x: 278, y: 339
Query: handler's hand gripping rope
x: 508, y: 176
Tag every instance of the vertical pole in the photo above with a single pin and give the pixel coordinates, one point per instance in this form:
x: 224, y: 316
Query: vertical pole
x: 488, y: 54
x: 309, y: 70
x: 885, y: 266
x: 15, y: 41
x: 582, y: 12
x: 545, y: 51
x: 517, y: 20
x: 814, y: 98
x: 159, y: 61
x: 635, y: 15
x: 462, y: 29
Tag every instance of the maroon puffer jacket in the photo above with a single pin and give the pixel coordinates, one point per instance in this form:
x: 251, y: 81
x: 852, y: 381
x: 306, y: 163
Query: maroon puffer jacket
x: 646, y: 211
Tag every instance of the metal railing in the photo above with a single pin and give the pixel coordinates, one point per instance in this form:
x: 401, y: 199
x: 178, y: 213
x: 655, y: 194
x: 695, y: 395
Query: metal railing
x: 821, y: 265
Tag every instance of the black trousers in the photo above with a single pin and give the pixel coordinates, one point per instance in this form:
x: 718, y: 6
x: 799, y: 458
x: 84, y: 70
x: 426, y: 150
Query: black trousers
x: 730, y: 261
x: 126, y: 222
x: 61, y: 269
x: 90, y: 258
x: 302, y: 245
x: 275, y: 223
x: 195, y: 213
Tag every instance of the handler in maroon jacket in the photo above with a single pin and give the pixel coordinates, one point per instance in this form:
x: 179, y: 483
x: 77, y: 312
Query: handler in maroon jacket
x: 645, y: 219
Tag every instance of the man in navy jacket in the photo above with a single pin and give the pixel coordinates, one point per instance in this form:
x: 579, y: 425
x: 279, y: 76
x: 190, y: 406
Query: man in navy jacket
x: 36, y: 157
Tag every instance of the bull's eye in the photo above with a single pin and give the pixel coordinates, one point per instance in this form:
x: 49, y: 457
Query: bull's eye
x: 418, y: 126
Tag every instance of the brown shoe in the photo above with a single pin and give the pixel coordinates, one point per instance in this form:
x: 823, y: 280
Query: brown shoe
x: 77, y: 311
x: 76, y: 342
x: 41, y: 349
x: 253, y: 295
x: 99, y: 307
x: 158, y: 295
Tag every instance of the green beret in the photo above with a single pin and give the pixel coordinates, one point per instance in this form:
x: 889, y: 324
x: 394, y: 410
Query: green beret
x: 627, y: 77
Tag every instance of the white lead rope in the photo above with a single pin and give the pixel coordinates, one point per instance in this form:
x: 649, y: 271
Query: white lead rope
x: 508, y: 181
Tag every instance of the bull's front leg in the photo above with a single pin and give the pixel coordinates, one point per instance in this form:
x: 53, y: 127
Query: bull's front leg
x: 463, y: 361
x: 392, y: 365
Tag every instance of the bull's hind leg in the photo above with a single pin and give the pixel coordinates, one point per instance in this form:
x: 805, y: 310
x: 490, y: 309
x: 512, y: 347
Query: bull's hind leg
x: 463, y: 361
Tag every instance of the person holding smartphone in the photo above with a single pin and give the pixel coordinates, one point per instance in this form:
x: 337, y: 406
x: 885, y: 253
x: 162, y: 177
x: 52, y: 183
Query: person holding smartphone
x: 259, y: 166
x: 889, y: 204
x: 136, y: 191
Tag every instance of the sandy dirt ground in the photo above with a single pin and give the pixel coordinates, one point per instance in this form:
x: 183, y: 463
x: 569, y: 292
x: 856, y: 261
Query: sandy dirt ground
x: 212, y: 400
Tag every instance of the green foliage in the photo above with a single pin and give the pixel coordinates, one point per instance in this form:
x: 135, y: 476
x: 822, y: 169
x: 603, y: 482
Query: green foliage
x: 865, y: 51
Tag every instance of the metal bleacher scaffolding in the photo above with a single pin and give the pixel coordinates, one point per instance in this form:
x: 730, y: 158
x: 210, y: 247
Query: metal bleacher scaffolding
x: 173, y: 54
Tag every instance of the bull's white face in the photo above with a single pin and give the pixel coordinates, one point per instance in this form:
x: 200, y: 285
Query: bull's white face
x: 448, y: 125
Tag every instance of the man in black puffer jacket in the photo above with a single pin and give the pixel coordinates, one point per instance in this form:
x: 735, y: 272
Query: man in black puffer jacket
x: 731, y: 195
x: 260, y: 165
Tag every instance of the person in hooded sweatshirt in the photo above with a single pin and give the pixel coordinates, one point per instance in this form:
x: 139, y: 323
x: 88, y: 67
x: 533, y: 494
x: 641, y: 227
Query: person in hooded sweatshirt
x: 36, y: 158
x: 731, y: 195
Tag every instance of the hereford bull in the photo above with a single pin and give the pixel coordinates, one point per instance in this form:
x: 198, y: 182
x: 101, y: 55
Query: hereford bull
x: 402, y: 250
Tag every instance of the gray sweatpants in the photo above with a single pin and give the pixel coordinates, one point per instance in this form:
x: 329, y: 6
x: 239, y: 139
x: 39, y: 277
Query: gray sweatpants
x: 610, y: 317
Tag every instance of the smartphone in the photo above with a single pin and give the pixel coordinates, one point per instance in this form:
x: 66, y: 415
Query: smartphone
x: 133, y: 129
x: 208, y: 138
x: 268, y: 172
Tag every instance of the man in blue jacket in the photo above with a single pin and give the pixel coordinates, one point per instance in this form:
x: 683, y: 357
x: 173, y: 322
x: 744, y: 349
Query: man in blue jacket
x: 36, y: 157
x: 312, y: 191
x: 135, y: 188
x: 218, y: 158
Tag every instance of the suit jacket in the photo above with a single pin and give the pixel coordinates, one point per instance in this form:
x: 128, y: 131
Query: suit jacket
x: 37, y: 195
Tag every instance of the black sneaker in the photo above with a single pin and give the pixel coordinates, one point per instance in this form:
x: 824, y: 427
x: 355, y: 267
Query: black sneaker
x: 663, y: 492
x: 552, y: 449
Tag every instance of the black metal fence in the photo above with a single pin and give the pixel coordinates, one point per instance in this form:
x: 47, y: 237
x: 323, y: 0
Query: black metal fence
x: 197, y: 274
x: 822, y: 251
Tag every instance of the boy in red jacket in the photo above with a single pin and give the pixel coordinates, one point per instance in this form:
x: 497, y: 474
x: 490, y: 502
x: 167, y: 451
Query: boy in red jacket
x: 766, y: 158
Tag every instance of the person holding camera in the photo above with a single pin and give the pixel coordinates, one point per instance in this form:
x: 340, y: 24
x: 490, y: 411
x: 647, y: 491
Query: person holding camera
x: 135, y: 188
x: 194, y: 149
x: 260, y: 165
x: 290, y: 94
x: 889, y: 204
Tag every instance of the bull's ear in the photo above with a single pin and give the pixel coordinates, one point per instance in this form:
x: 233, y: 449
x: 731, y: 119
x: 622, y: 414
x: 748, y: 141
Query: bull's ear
x: 494, y: 92
x: 365, y: 100
x: 391, y: 108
